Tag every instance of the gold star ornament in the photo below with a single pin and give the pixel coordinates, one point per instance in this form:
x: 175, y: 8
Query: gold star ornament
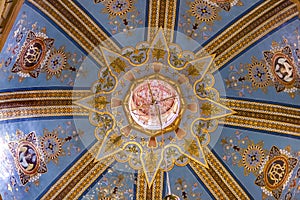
x: 146, y: 102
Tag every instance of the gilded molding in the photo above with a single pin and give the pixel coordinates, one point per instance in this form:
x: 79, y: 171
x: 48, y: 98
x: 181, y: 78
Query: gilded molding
x: 260, y: 124
x: 90, y: 25
x: 41, y: 103
x: 77, y: 25
x: 41, y: 111
x: 297, y: 2
x: 81, y: 168
x: 208, y: 180
x: 43, y: 95
x: 9, y: 11
x: 141, y: 191
x: 249, y: 29
x: 277, y: 19
x: 67, y: 177
x: 162, y: 13
x: 241, y: 24
x: 263, y: 116
x: 225, y: 177
x: 64, y: 24
x: 153, y: 192
x: 83, y: 183
x: 217, y: 179
x: 253, y: 106
x: 158, y: 184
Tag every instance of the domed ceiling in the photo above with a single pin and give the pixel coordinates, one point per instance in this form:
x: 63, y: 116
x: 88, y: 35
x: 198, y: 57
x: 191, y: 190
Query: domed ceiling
x: 133, y: 99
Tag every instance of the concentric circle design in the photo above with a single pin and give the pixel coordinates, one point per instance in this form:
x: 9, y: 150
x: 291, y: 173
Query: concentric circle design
x: 154, y: 104
x: 119, y: 7
x: 51, y: 146
x: 56, y: 62
x: 253, y: 158
x: 259, y: 75
x: 204, y: 11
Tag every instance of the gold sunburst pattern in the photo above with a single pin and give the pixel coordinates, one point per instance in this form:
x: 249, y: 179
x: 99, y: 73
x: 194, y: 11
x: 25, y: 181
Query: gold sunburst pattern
x: 204, y: 11
x: 51, y: 145
x: 147, y: 101
x: 252, y: 157
x: 118, y: 8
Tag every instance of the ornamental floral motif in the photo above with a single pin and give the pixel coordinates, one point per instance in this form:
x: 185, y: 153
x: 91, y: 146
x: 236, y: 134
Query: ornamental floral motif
x: 144, y: 115
x: 203, y: 12
x: 114, y: 184
x: 57, y: 62
x: 119, y: 7
x: 33, y: 55
x: 284, y: 70
x: 29, y: 160
x: 122, y: 14
x: 51, y: 145
x: 279, y: 68
x: 259, y: 74
x: 276, y: 172
x: 252, y: 157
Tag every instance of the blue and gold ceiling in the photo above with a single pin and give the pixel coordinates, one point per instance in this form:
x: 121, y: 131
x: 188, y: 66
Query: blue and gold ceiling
x: 69, y: 70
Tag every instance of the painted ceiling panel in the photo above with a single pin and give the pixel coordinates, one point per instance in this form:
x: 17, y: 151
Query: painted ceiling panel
x: 60, y: 143
x: 118, y: 179
x: 202, y: 20
x: 185, y: 182
x: 116, y: 20
x: 166, y: 99
x: 251, y: 76
x: 243, y: 150
x: 63, y: 51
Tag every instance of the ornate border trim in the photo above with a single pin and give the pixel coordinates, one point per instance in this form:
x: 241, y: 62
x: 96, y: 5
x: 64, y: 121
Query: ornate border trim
x: 141, y: 189
x: 264, y: 125
x: 43, y: 95
x: 65, y: 25
x: 77, y: 25
x: 208, y: 180
x: 162, y: 13
x: 158, y: 184
x: 262, y: 107
x: 41, y: 111
x: 277, y: 19
x: 241, y: 24
x: 79, y: 176
x: 263, y: 116
x: 9, y: 21
x: 101, y: 37
x: 253, y: 26
x: 225, y: 176
x: 41, y: 103
x: 217, y: 179
x: 85, y: 182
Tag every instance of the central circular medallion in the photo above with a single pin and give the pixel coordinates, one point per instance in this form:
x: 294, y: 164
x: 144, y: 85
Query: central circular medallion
x: 154, y: 104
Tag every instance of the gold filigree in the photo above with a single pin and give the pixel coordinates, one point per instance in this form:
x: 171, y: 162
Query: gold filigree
x: 128, y: 135
x: 275, y: 172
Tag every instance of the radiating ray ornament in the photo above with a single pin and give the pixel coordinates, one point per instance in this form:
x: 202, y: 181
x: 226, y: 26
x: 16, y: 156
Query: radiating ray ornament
x: 145, y: 102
